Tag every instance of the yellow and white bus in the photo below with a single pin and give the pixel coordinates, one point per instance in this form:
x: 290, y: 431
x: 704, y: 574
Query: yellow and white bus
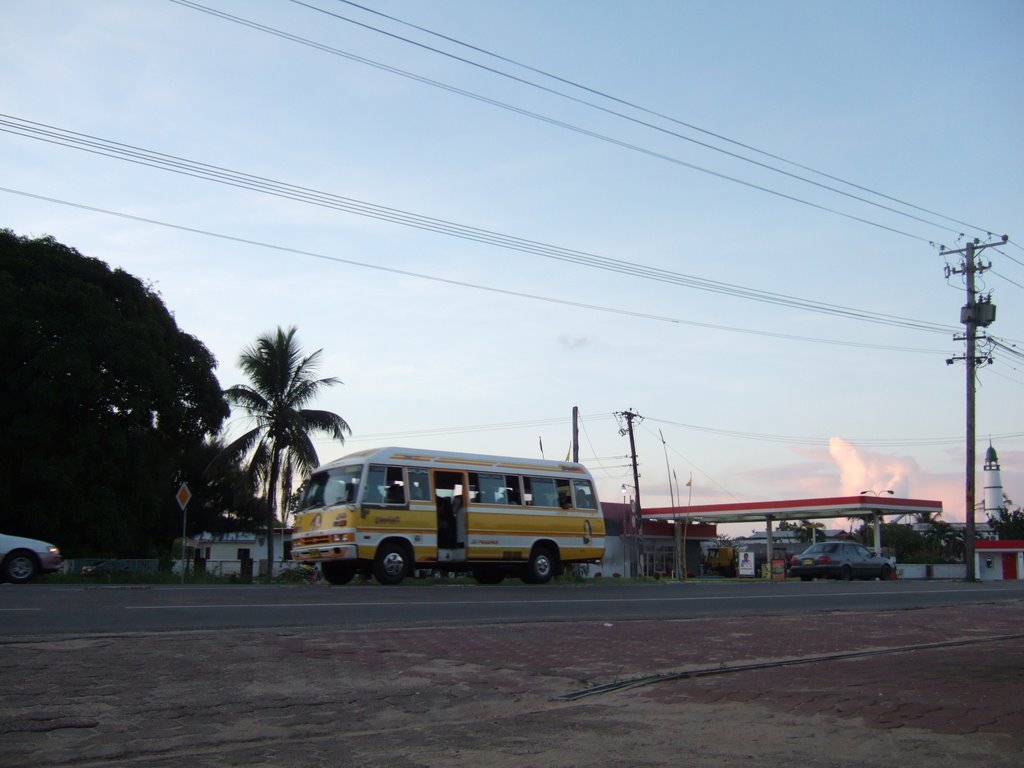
x: 392, y: 511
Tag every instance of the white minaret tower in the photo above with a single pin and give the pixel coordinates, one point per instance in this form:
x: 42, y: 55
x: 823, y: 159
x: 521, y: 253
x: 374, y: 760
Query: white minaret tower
x: 993, y: 483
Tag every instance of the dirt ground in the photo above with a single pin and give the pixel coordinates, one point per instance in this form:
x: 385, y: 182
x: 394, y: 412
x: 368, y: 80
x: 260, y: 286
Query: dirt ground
x: 911, y: 688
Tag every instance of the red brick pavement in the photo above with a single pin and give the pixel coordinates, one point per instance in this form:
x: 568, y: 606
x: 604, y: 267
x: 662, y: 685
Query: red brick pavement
x: 973, y: 688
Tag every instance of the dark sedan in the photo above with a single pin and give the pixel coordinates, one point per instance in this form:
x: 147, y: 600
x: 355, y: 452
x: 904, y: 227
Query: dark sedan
x: 839, y: 560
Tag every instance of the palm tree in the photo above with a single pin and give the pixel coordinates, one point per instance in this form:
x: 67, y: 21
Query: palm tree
x: 282, y: 383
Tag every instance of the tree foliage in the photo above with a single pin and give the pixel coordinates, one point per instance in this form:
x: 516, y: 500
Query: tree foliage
x: 279, y: 447
x: 805, y: 530
x: 903, y: 540
x: 223, y: 497
x: 101, y: 398
x: 935, y: 541
x: 1007, y: 523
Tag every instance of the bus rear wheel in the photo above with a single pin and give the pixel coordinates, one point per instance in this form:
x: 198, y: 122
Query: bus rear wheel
x: 541, y: 566
x: 338, y: 573
x: 391, y: 564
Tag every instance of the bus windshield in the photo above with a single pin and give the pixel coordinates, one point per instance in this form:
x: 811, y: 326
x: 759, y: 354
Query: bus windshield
x: 338, y: 485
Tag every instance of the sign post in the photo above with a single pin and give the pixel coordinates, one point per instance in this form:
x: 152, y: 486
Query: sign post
x: 183, y: 495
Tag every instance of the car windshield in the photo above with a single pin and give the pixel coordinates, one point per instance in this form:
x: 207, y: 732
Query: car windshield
x: 338, y: 485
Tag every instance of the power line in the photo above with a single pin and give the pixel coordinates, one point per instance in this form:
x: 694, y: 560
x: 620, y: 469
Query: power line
x: 1004, y: 277
x: 635, y: 106
x: 762, y: 437
x: 637, y: 121
x: 462, y: 283
x: 549, y: 120
x: 221, y: 175
x: 704, y: 473
x: 1009, y: 348
x: 824, y: 441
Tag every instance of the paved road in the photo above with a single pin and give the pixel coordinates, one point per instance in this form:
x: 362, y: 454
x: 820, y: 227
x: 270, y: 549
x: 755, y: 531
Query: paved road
x: 774, y: 682
x: 47, y: 609
x: 818, y: 675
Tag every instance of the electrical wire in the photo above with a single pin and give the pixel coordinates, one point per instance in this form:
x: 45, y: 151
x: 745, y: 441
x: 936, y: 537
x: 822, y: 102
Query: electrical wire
x: 548, y: 120
x: 195, y: 169
x: 1004, y: 277
x: 1008, y: 348
x: 824, y: 441
x: 689, y: 463
x: 901, y: 442
x: 462, y: 283
x: 635, y: 106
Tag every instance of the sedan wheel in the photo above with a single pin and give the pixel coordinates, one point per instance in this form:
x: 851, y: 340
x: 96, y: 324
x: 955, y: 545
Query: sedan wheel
x: 20, y: 567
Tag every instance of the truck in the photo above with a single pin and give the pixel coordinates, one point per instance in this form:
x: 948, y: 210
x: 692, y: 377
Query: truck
x: 718, y: 559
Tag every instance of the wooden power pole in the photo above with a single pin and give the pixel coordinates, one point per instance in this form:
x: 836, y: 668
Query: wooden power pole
x: 978, y: 312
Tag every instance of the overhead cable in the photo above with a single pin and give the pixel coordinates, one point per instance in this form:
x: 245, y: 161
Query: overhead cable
x: 462, y: 283
x: 637, y: 121
x: 175, y: 164
x: 552, y: 121
x: 635, y: 106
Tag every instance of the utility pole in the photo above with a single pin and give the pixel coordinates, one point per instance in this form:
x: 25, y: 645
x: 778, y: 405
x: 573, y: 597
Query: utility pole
x: 978, y: 312
x: 676, y: 536
x: 628, y: 429
x: 575, y: 433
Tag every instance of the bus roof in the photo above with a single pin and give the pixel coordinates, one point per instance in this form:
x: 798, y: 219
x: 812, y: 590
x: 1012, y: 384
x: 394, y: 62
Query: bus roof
x: 431, y: 458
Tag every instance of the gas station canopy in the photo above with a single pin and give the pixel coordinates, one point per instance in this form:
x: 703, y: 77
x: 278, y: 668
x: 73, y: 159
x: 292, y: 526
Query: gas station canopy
x: 799, y: 509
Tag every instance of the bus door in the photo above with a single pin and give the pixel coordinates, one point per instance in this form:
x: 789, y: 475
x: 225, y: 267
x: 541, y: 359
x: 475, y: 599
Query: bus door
x: 450, y: 497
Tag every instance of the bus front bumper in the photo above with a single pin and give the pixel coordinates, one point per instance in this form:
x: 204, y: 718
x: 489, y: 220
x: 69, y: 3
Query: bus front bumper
x: 323, y: 552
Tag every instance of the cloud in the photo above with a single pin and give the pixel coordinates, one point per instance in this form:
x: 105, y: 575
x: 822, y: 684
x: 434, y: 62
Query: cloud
x: 863, y: 471
x: 846, y: 470
x: 573, y: 342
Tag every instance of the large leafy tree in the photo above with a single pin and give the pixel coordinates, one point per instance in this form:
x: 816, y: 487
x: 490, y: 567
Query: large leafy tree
x: 101, y: 395
x: 903, y: 539
x: 282, y: 383
x: 223, y: 498
x: 1007, y: 523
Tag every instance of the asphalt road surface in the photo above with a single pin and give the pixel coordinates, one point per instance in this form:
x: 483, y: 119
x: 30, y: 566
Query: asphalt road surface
x: 818, y: 675
x: 46, y: 609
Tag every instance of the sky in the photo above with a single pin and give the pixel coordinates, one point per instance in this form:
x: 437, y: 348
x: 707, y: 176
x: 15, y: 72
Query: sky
x: 726, y: 216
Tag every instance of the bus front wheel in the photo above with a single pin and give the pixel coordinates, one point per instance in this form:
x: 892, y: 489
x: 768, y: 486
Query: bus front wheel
x: 541, y: 566
x: 391, y: 564
x: 338, y: 573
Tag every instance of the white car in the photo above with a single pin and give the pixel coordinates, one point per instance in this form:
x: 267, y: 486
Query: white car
x: 23, y: 559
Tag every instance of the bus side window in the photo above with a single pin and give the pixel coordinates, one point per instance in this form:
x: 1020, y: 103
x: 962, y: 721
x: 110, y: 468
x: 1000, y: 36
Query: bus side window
x: 564, y: 496
x: 376, y: 484
x: 396, y: 486
x: 584, y: 494
x: 396, y: 493
x: 542, y: 490
x: 384, y: 485
x: 491, y: 487
x: 512, y: 491
x: 419, y: 486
